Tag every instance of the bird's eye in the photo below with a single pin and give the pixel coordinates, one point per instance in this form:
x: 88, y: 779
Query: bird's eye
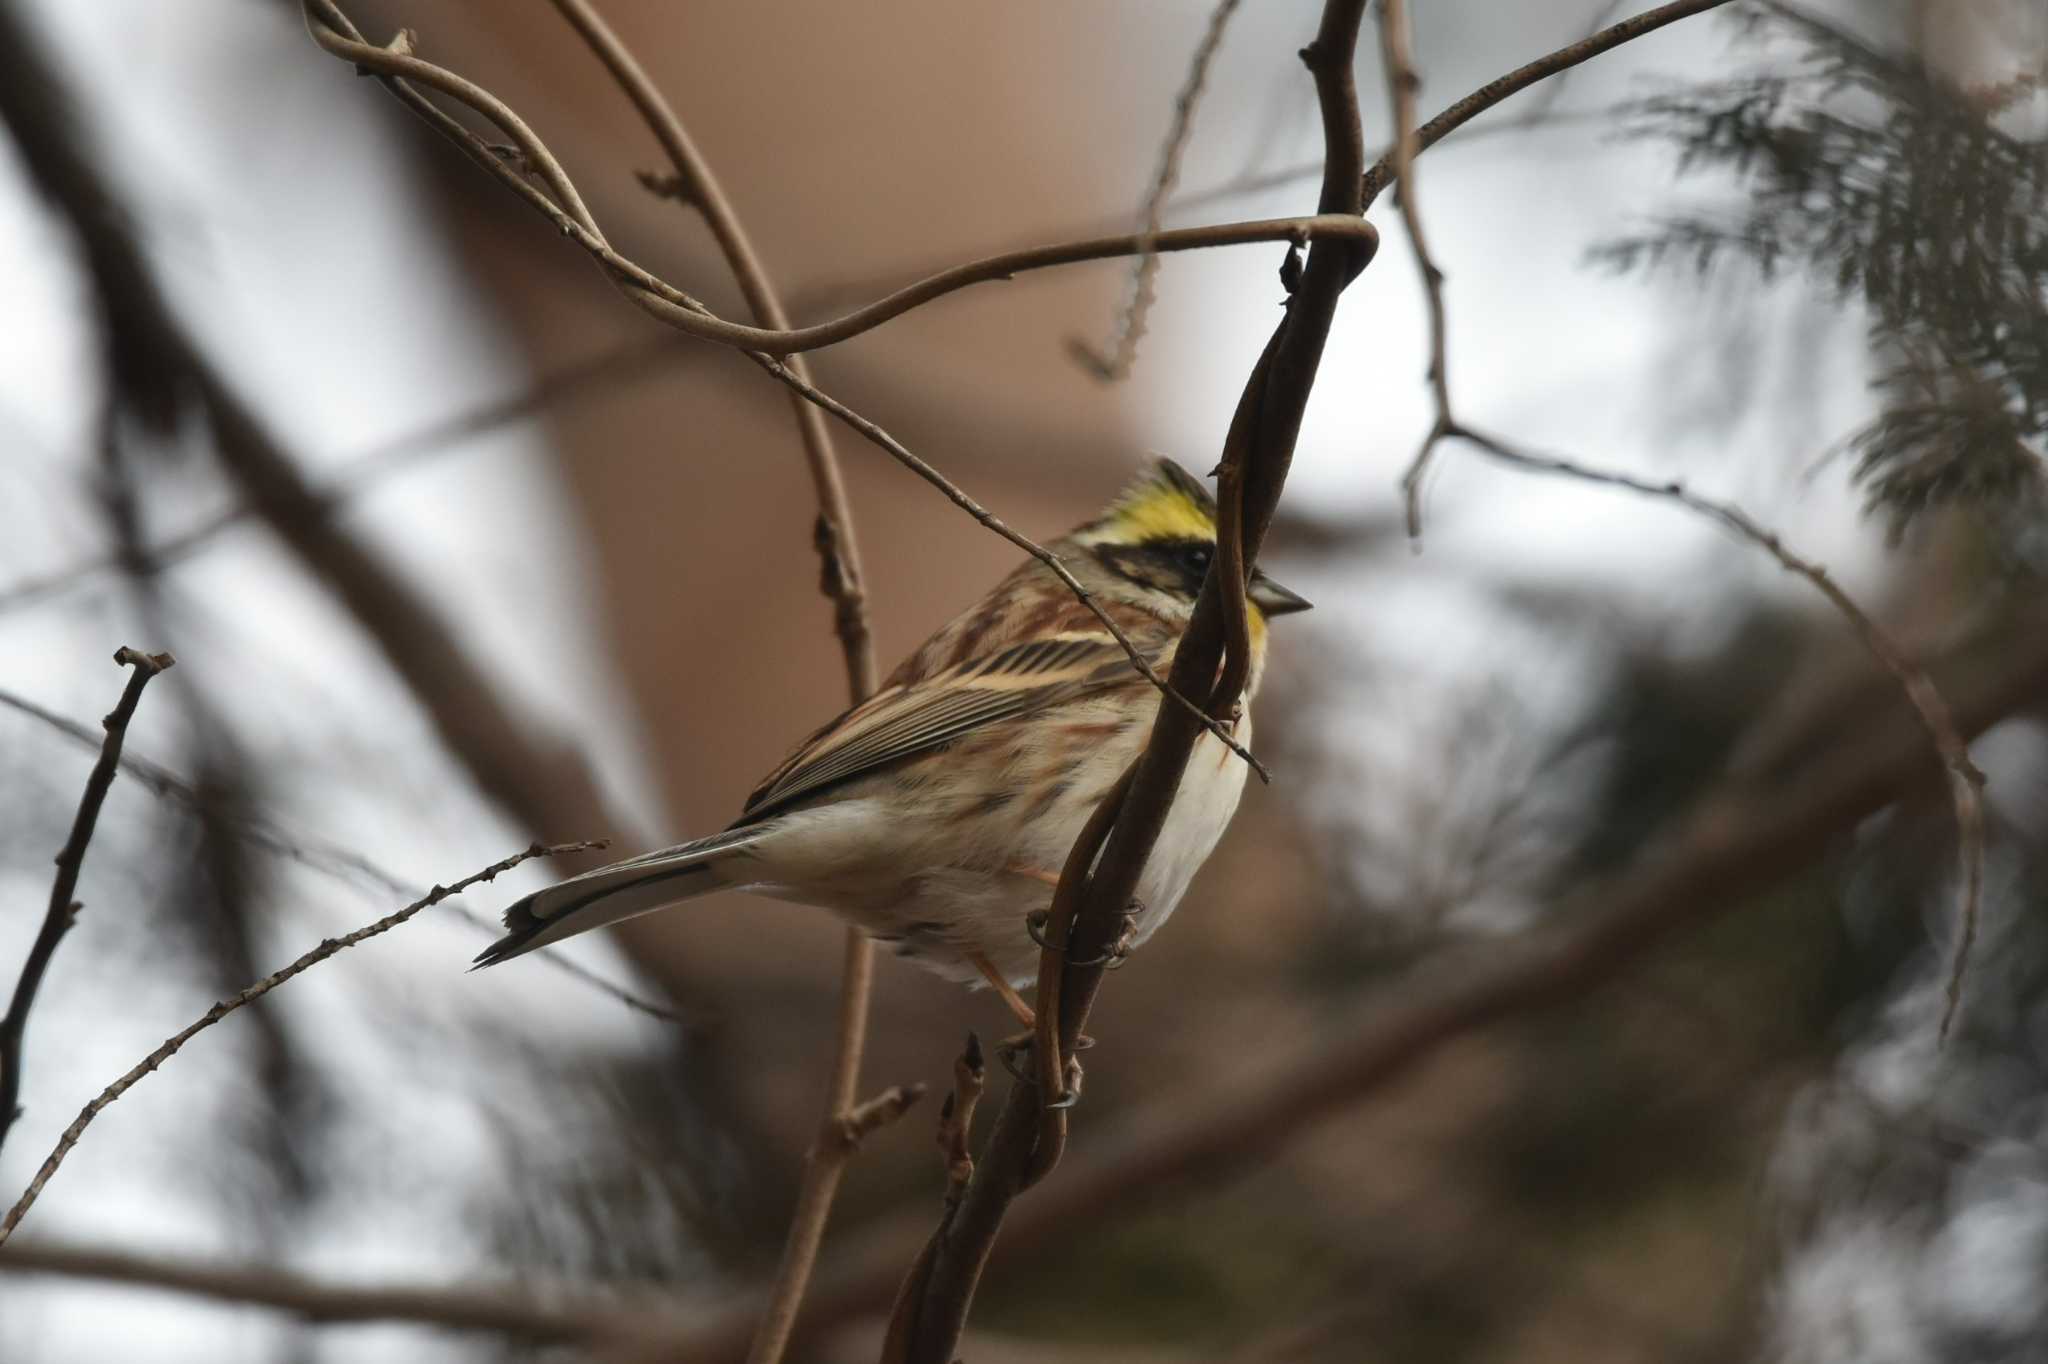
x: 1196, y: 558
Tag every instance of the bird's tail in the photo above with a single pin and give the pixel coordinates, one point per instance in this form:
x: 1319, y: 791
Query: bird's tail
x: 639, y: 885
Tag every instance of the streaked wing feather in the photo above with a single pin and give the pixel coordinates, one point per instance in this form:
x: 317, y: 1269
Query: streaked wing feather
x: 915, y: 718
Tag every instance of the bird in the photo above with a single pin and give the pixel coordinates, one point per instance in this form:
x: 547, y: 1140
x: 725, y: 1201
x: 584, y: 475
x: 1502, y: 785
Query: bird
x: 936, y: 814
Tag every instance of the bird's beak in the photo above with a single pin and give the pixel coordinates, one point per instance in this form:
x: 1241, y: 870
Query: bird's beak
x: 1274, y: 599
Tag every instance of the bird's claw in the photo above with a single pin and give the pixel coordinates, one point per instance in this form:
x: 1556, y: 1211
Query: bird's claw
x: 1118, y: 952
x: 1070, y: 1087
x: 1010, y: 1051
x: 1022, y: 1042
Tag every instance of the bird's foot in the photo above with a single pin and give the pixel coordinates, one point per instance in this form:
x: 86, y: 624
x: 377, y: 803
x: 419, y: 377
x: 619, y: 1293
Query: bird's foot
x: 1010, y: 1051
x: 1035, y: 924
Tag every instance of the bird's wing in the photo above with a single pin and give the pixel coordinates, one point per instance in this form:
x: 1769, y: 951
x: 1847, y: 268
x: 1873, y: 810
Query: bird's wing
x: 918, y: 716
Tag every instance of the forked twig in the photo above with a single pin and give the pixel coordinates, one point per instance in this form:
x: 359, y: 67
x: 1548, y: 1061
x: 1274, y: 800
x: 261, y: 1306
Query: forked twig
x: 315, y: 854
x: 938, y: 1293
x: 988, y: 519
x: 305, y: 962
x: 841, y: 581
x: 1197, y: 1140
x: 1966, y: 780
x: 397, y: 66
x: 1113, y: 363
x: 1398, y: 166
x: 1384, y: 171
x: 1403, y: 81
x: 63, y: 908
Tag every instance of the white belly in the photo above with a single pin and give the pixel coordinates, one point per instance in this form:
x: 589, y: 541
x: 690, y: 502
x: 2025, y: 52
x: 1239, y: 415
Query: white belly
x: 937, y: 889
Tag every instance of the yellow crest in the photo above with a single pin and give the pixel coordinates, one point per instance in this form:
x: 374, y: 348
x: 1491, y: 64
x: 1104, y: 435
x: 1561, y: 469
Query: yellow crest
x: 1166, y: 502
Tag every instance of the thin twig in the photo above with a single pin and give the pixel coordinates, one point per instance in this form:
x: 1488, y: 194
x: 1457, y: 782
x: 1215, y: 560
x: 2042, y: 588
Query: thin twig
x: 395, y: 66
x: 401, y: 67
x: 956, y: 1145
x: 1053, y: 958
x: 841, y: 581
x: 305, y: 962
x: 1734, y: 849
x: 1113, y: 363
x: 320, y: 855
x: 1270, y: 410
x: 1385, y: 170
x: 522, y: 1311
x: 1403, y: 81
x: 625, y: 360
x: 988, y: 519
x: 837, y: 548
x: 358, y: 472
x: 824, y: 1163
x: 1966, y: 780
x: 63, y: 907
x: 542, y: 787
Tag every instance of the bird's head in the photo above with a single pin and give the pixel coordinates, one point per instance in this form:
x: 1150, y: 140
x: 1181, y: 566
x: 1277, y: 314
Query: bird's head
x: 1155, y: 541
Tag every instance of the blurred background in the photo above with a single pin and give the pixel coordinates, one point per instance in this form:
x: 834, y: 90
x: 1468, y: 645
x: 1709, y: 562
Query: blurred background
x: 491, y: 556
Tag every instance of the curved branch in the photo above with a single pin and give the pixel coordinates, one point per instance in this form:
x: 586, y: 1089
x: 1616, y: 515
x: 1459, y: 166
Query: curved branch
x: 841, y: 580
x: 397, y: 65
x: 1735, y: 848
x: 335, y: 34
x: 1265, y: 427
x: 1966, y: 780
x: 1386, y: 169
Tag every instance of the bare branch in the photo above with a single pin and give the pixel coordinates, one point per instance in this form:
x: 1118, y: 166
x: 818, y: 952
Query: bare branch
x: 613, y: 365
x: 395, y: 66
x: 623, y: 361
x: 544, y: 788
x: 857, y: 1123
x: 63, y: 908
x: 316, y: 854
x: 1735, y: 848
x: 840, y: 580
x: 521, y: 1311
x: 825, y: 1161
x: 1385, y: 170
x: 306, y: 961
x: 1256, y: 457
x: 1966, y: 781
x: 1114, y: 362
x: 959, y: 498
x: 399, y: 67
x: 1403, y: 81
x: 837, y: 548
